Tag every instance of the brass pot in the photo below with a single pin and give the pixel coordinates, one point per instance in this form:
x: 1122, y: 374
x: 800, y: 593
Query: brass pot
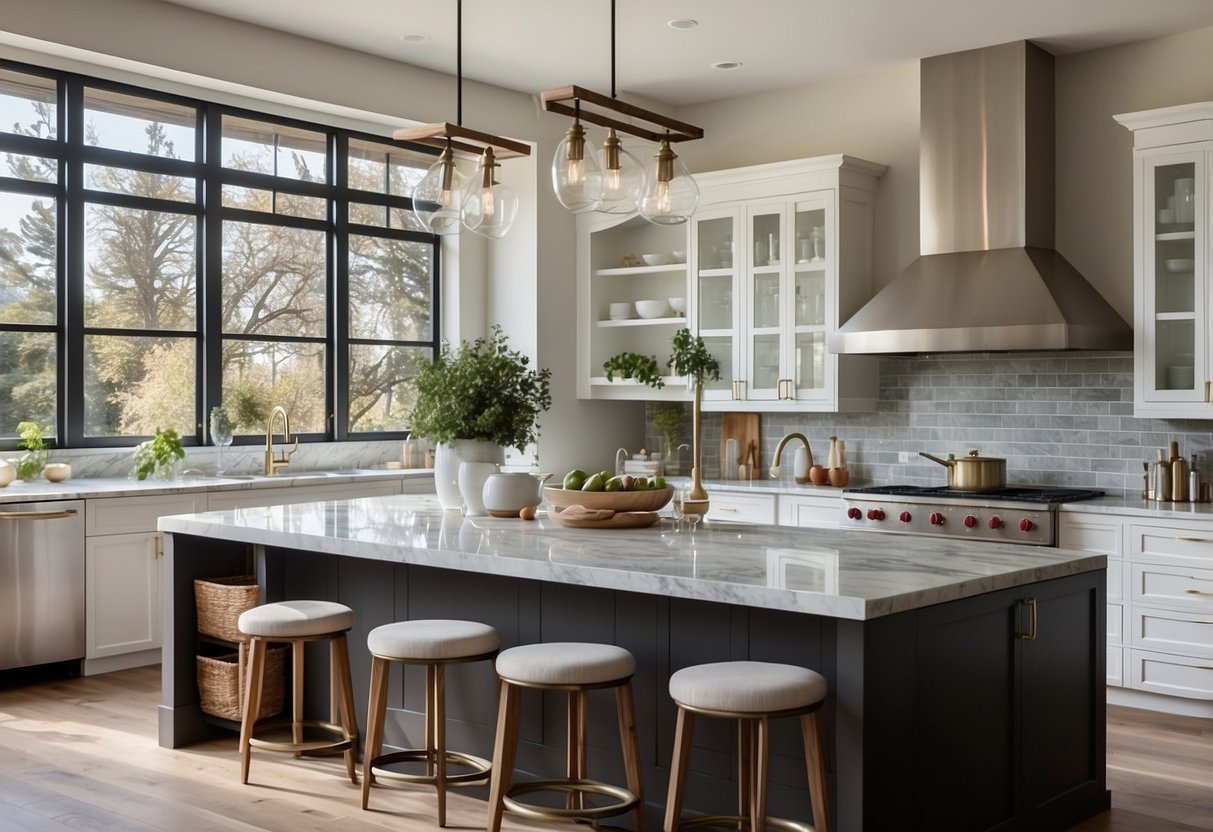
x: 973, y: 472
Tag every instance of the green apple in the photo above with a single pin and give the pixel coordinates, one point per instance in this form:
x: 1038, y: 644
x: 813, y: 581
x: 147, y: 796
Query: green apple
x: 574, y: 479
x: 595, y: 483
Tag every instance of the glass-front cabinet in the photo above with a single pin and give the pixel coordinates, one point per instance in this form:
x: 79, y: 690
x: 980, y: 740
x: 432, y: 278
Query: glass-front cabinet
x: 1173, y: 149
x: 766, y: 271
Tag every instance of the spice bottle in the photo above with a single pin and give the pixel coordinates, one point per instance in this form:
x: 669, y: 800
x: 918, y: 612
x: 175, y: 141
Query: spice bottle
x: 1193, y: 482
x: 1160, y: 475
x: 1179, y: 480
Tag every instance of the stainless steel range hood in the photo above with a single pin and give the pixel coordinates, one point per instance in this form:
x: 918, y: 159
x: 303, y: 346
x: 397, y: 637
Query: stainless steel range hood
x: 989, y: 278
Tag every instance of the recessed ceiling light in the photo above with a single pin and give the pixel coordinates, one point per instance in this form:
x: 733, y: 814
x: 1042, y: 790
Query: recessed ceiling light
x: 727, y: 65
x: 415, y: 37
x: 683, y: 23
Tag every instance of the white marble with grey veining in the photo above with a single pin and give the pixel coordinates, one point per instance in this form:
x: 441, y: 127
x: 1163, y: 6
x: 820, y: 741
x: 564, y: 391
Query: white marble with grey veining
x: 841, y: 574
x: 1133, y: 505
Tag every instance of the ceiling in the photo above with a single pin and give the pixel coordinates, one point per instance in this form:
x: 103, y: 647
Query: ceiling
x: 531, y: 45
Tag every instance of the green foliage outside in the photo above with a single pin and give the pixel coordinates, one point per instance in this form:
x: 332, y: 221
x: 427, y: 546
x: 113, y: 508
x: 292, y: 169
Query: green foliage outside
x: 484, y: 390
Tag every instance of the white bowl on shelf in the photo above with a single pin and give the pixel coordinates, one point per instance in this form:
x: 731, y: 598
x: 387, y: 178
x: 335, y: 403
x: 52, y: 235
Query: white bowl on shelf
x: 656, y: 259
x: 679, y: 305
x: 652, y: 308
x: 1180, y: 265
x: 620, y: 311
x: 678, y: 256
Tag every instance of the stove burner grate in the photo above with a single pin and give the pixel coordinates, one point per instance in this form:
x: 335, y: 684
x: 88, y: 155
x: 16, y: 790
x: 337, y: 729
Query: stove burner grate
x: 1043, y: 495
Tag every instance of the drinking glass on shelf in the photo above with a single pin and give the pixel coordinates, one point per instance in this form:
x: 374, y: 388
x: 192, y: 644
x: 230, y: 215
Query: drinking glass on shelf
x: 221, y: 434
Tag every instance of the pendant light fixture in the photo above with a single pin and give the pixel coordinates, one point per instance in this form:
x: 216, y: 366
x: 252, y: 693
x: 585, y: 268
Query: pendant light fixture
x: 614, y: 182
x: 442, y: 200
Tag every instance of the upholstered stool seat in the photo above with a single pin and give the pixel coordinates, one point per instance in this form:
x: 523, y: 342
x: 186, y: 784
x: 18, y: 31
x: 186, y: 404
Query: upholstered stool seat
x: 751, y: 693
x: 576, y: 668
x: 299, y: 622
x: 434, y: 643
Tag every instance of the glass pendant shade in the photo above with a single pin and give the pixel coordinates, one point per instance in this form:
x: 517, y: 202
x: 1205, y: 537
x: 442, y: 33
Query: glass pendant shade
x: 576, y: 178
x: 670, y: 194
x: 622, y: 177
x: 490, y: 210
x: 438, y: 197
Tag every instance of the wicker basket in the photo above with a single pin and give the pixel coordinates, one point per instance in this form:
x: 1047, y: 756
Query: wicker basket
x: 221, y: 684
x: 220, y: 601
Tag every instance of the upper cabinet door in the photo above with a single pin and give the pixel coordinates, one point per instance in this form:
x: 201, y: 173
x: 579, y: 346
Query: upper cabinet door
x: 812, y: 294
x: 766, y: 284
x: 716, y: 295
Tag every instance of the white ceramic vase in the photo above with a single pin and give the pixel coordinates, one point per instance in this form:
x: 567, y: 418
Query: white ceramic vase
x: 446, y: 466
x: 472, y: 476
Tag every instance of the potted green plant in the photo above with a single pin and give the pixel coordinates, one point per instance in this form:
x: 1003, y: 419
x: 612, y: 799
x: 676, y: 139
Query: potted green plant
x: 473, y: 403
x: 159, y: 456
x: 30, y: 466
x: 668, y: 419
x: 690, y: 357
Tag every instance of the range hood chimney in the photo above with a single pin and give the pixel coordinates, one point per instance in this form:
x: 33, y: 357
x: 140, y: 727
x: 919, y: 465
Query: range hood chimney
x: 989, y: 278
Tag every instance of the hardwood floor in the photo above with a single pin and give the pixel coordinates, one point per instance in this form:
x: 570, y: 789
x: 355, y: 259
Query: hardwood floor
x: 81, y: 754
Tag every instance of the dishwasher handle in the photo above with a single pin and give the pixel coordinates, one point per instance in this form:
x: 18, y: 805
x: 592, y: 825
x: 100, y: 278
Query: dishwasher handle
x: 37, y: 515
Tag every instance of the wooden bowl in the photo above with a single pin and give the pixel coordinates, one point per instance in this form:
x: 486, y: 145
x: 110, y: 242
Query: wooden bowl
x: 617, y: 500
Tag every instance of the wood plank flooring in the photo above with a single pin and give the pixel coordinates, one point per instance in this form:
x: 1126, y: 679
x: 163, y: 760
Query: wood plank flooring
x: 81, y: 755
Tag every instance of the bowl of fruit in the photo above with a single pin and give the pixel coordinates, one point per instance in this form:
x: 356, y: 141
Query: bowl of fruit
x: 601, y: 490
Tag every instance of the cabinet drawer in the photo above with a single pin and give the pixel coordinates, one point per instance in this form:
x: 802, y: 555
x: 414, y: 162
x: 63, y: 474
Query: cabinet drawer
x: 285, y: 495
x: 125, y: 515
x: 1178, y: 544
x: 742, y: 508
x: 1179, y: 632
x: 1116, y: 625
x: 1172, y: 586
x: 1172, y: 675
x: 1089, y: 534
x: 1116, y: 667
x: 809, y: 511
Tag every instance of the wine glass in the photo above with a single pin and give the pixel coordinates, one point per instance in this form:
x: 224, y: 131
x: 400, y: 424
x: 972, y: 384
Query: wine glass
x: 221, y: 434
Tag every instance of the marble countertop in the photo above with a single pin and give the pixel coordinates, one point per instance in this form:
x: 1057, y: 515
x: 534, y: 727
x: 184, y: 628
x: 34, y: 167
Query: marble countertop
x: 841, y: 574
x: 92, y: 487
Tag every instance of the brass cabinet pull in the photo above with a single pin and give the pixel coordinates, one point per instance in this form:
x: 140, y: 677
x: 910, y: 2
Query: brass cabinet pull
x: 1207, y: 385
x: 725, y: 508
x: 1030, y: 603
x: 159, y: 548
x: 1194, y: 539
x: 37, y: 515
x: 1202, y: 593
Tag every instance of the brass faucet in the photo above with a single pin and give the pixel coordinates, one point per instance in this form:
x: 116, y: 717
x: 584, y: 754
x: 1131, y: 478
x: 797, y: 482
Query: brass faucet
x: 272, y: 464
x: 779, y: 452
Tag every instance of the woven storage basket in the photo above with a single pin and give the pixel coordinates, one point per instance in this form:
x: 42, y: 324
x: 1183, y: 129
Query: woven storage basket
x: 221, y: 686
x: 220, y: 601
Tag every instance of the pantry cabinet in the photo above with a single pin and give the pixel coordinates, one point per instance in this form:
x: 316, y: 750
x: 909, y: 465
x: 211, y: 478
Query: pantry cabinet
x: 1172, y: 222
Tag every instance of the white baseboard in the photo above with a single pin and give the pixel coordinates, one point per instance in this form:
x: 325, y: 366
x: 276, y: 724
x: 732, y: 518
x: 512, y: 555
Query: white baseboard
x: 126, y: 661
x: 1147, y: 701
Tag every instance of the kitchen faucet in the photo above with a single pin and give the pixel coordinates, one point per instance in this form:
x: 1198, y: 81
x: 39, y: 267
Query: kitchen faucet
x: 779, y: 452
x: 272, y: 464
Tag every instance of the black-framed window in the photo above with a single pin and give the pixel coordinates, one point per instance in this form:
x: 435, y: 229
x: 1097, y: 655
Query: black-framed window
x: 160, y: 255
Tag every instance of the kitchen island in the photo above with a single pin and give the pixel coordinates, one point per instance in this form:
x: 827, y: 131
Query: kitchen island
x: 966, y: 679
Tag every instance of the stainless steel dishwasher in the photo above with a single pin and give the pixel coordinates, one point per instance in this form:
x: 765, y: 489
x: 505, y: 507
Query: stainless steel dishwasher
x: 41, y: 582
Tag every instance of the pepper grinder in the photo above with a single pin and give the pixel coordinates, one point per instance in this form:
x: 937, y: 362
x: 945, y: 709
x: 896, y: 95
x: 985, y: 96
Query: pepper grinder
x: 1179, y: 479
x: 1193, y: 482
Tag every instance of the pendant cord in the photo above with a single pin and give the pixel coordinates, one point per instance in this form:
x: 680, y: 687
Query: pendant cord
x: 459, y: 62
x: 612, y: 48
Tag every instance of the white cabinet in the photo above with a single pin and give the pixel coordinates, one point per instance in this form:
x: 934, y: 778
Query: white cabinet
x: 1172, y: 222
x: 735, y: 507
x: 781, y: 254
x: 1103, y: 534
x: 290, y: 494
x: 611, y: 277
x: 810, y: 511
x: 122, y: 556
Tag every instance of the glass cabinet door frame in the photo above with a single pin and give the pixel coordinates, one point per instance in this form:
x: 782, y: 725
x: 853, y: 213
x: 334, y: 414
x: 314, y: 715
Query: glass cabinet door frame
x: 795, y: 388
x: 751, y: 274
x: 700, y: 268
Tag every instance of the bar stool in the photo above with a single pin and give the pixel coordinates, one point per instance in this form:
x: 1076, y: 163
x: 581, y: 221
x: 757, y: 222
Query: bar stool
x: 751, y: 693
x: 299, y: 622
x: 577, y: 668
x: 435, y: 644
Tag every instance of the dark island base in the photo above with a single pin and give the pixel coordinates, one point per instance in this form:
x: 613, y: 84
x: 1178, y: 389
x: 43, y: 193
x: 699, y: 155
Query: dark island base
x: 938, y: 719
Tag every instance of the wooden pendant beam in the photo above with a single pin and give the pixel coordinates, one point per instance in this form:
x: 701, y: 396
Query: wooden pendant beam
x: 596, y: 108
x: 464, y: 140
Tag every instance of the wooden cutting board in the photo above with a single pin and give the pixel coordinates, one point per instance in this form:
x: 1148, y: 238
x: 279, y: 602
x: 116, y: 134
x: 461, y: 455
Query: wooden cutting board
x: 744, y: 427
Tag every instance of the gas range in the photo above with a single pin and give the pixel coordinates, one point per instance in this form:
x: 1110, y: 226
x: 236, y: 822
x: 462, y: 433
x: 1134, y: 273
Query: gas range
x: 1013, y: 515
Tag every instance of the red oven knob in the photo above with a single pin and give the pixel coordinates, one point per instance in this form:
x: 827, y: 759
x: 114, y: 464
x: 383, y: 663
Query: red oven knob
x: 1026, y: 525
x: 876, y: 514
x: 936, y: 518
x: 854, y: 513
x: 995, y: 522
x: 970, y: 521
x: 905, y: 517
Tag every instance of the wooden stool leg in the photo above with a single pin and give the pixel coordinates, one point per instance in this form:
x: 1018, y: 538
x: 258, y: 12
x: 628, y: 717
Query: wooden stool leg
x: 252, y: 703
x: 340, y: 655
x: 297, y: 692
x: 375, y: 717
x: 678, y: 769
x: 439, y: 717
x: 575, y: 752
x: 631, y: 748
x: 745, y: 766
x: 504, y: 748
x: 814, y: 757
x: 429, y: 720
x: 762, y: 751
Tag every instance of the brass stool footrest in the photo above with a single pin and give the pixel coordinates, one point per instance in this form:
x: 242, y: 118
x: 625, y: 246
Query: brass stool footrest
x: 626, y: 801
x: 739, y: 822
x: 316, y: 747
x: 479, y: 774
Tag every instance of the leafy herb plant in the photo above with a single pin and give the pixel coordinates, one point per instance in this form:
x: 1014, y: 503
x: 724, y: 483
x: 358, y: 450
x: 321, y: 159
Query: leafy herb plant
x: 158, y: 455
x: 484, y: 390
x: 30, y: 466
x: 690, y: 357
